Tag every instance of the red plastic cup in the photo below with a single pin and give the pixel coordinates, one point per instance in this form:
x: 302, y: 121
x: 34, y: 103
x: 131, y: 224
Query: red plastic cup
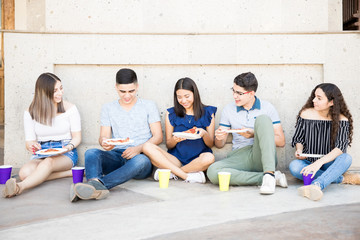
x: 5, y: 173
x: 78, y: 174
x: 307, y: 179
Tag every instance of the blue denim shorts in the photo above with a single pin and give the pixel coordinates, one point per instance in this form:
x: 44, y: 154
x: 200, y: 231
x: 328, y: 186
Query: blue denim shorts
x: 73, y: 155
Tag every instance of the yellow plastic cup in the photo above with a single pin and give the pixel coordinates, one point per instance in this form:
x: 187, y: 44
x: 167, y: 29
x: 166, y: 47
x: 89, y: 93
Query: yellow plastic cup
x: 224, y: 181
x: 164, y: 175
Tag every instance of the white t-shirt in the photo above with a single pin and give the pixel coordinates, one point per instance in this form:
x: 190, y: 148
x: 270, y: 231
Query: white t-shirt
x: 61, y: 128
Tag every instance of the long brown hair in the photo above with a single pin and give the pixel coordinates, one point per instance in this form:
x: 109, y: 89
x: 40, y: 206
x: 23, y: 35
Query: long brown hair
x: 333, y: 93
x: 188, y: 84
x: 42, y: 108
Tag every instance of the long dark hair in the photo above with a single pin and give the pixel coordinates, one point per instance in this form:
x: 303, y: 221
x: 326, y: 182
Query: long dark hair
x: 188, y: 84
x: 42, y: 108
x: 333, y: 93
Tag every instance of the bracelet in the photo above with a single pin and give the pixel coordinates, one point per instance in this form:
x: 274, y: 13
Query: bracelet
x: 72, y: 146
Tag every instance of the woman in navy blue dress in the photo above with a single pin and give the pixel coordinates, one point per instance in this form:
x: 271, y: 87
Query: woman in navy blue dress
x: 186, y: 158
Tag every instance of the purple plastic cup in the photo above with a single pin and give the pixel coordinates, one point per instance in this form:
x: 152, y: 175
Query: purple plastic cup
x: 5, y: 173
x: 78, y: 174
x: 307, y: 179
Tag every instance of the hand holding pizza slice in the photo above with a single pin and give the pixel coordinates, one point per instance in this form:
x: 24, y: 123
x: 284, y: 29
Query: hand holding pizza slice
x: 198, y: 131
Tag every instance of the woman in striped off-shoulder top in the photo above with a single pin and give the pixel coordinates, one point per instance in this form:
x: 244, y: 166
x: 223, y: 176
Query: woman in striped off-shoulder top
x: 324, y: 129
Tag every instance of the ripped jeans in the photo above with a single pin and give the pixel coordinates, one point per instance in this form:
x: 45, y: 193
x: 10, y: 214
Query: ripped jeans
x: 330, y: 172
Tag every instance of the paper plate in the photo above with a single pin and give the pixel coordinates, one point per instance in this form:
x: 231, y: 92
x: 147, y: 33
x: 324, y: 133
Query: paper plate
x: 51, y: 151
x: 189, y: 136
x: 311, y: 155
x: 235, y: 130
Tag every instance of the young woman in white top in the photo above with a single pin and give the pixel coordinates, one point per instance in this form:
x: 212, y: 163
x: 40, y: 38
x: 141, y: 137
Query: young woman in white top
x: 49, y: 122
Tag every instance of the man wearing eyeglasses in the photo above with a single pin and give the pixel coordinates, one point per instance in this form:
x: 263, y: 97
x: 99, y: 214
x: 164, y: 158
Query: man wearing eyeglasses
x: 257, y: 131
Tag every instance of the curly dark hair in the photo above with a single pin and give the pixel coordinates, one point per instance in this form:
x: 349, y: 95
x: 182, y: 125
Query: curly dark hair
x: 333, y: 93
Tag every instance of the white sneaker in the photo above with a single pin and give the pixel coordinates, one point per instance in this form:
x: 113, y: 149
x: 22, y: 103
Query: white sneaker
x: 156, y: 175
x: 268, y: 184
x: 280, y: 179
x: 196, y: 177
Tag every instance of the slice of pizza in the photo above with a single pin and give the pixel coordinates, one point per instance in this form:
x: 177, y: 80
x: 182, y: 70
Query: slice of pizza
x: 191, y: 130
x: 119, y: 140
x: 51, y: 150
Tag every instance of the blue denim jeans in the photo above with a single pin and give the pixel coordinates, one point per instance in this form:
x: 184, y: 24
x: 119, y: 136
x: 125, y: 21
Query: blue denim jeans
x: 330, y: 172
x: 112, y: 169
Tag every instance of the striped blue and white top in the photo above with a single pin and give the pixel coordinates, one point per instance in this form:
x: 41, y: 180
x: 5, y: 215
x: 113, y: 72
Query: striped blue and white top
x: 315, y: 136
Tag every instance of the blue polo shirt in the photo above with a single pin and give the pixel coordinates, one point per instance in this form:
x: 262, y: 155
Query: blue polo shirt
x: 134, y: 124
x: 236, y: 117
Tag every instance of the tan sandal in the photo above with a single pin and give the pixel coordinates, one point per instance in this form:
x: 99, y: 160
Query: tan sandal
x: 311, y: 192
x: 351, y: 178
x: 11, y: 188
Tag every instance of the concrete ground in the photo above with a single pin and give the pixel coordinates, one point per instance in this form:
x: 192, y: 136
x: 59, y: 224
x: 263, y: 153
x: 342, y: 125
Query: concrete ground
x: 139, y: 209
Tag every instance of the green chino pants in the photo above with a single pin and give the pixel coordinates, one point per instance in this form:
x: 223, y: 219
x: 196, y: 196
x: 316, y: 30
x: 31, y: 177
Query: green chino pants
x: 248, y: 164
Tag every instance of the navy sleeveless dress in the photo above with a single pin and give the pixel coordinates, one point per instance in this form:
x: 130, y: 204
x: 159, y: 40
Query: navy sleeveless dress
x: 188, y: 150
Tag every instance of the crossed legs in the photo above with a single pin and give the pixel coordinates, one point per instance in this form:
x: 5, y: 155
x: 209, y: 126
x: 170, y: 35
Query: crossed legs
x: 162, y: 159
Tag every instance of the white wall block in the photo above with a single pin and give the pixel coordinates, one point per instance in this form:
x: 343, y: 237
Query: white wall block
x: 188, y: 16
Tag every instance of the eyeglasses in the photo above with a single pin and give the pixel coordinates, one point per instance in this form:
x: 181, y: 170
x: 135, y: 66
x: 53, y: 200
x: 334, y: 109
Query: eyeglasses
x: 239, y: 93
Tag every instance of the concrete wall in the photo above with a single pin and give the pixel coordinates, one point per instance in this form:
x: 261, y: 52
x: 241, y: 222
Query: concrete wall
x: 30, y: 15
x: 289, y: 48
x: 174, y: 16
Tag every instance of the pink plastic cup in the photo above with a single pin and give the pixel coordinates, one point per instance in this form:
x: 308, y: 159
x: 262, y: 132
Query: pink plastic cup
x: 307, y: 179
x: 78, y: 174
x: 5, y: 173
